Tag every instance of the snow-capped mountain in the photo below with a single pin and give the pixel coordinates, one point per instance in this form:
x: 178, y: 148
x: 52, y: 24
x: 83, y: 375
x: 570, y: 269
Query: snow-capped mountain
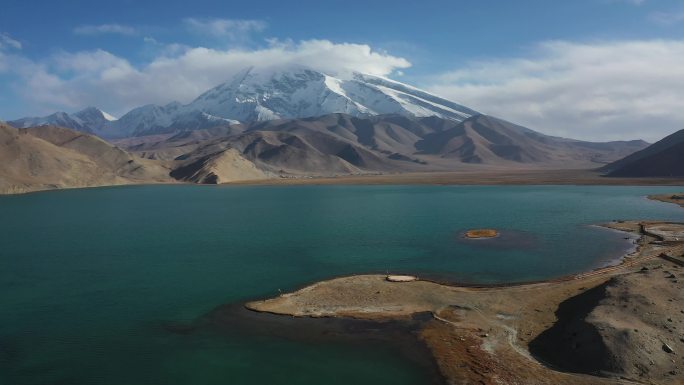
x: 256, y: 96
x: 94, y: 118
x: 152, y: 119
x: 259, y: 95
x: 91, y: 120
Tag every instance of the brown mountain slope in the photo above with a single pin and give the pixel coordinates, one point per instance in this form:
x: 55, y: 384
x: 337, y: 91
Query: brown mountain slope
x: 282, y: 153
x: 662, y: 159
x: 171, y: 146
x: 445, y: 145
x: 221, y: 167
x: 385, y: 134
x: 340, y: 144
x: 52, y: 157
x: 488, y: 140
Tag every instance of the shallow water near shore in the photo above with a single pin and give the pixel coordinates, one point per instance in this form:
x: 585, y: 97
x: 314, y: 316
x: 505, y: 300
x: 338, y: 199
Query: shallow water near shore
x: 89, y: 278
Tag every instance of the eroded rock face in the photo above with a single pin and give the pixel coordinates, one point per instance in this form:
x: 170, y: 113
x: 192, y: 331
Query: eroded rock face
x: 639, y: 315
x: 573, y: 344
x: 629, y: 327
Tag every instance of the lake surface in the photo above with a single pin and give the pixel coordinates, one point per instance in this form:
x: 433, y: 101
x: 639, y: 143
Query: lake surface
x: 87, y: 277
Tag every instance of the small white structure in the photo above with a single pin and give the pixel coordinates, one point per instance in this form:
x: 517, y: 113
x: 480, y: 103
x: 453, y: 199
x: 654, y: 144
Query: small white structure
x: 401, y: 278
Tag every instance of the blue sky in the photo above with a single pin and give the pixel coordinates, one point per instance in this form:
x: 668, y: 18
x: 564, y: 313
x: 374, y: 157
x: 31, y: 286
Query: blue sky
x: 551, y: 65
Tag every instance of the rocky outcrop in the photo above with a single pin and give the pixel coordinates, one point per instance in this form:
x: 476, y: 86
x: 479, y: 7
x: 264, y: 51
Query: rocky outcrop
x: 617, y: 329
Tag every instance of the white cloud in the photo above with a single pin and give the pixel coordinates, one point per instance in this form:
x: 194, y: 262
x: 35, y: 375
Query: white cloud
x: 597, y: 91
x: 6, y: 41
x: 31, y: 76
x: 117, y: 29
x: 88, y: 62
x: 667, y: 18
x: 232, y: 29
x: 163, y: 49
x: 74, y: 80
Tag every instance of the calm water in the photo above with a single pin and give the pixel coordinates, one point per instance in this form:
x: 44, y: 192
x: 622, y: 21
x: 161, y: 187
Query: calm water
x: 88, y: 276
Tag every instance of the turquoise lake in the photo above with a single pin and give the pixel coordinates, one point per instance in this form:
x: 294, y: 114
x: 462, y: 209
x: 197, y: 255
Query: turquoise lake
x: 88, y: 276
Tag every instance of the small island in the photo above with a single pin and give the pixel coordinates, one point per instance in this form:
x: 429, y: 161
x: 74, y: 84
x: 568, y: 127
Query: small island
x: 481, y: 233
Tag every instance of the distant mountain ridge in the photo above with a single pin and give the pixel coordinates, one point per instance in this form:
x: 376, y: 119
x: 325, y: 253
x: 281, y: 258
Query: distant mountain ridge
x: 341, y: 144
x: 324, y: 146
x: 664, y: 158
x: 91, y: 120
x: 261, y: 95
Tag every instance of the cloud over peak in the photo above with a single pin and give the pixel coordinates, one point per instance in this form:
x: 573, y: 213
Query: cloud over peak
x: 72, y: 80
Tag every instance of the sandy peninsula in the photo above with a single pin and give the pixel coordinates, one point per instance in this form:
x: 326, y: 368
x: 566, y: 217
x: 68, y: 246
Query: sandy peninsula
x: 677, y: 199
x: 616, y: 325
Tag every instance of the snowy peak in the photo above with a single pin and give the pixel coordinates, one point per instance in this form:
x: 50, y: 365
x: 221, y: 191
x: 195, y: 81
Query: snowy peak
x: 265, y: 95
x: 420, y: 103
x: 94, y: 114
x: 259, y: 94
x: 172, y: 117
x: 91, y: 120
x: 61, y: 119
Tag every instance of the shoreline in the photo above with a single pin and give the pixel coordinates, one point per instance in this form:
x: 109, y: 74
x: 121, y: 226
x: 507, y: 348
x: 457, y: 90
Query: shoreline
x: 623, y: 261
x: 398, y: 335
x: 677, y: 199
x: 516, y: 332
x: 521, y: 177
x: 633, y: 248
x: 440, y: 280
x: 524, y: 177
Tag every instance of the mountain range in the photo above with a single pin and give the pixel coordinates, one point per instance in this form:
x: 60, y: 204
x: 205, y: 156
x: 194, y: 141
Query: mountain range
x: 261, y: 95
x: 291, y: 124
x: 91, y: 120
x: 330, y: 145
x: 341, y: 144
